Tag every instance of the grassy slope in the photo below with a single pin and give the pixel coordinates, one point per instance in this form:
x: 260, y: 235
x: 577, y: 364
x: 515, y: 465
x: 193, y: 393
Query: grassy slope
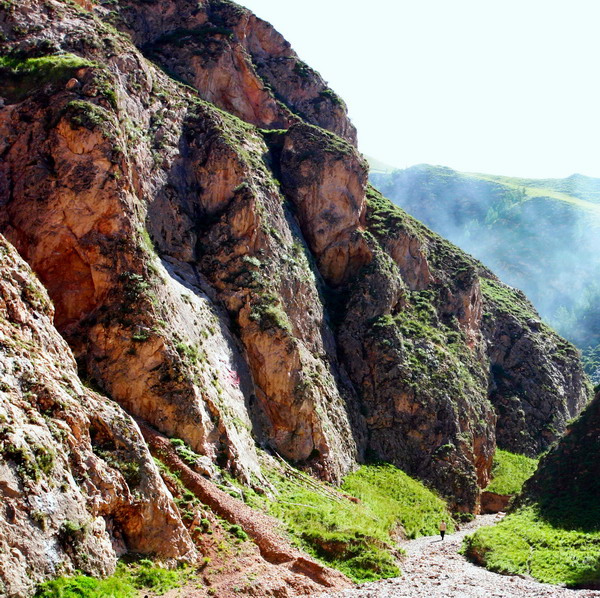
x: 534, y: 189
x: 510, y: 472
x: 356, y: 537
x: 526, y: 543
x: 554, y: 535
x: 579, y: 186
x: 376, y: 165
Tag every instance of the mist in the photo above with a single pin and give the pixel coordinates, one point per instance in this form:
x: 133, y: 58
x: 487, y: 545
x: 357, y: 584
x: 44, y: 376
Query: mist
x: 541, y: 236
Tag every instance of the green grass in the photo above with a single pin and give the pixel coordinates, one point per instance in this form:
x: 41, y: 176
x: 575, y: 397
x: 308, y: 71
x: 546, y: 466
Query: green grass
x: 22, y: 76
x: 396, y: 499
x: 542, y: 188
x: 525, y: 543
x: 357, y: 538
x: 510, y: 472
x: 82, y: 586
x: 123, y: 584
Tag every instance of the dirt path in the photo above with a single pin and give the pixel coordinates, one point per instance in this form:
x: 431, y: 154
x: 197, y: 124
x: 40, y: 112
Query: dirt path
x: 434, y: 569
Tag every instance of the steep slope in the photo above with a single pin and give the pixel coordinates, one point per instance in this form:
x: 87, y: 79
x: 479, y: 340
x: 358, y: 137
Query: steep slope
x: 567, y: 482
x: 240, y: 287
x: 539, y: 235
x: 77, y: 484
x: 553, y: 531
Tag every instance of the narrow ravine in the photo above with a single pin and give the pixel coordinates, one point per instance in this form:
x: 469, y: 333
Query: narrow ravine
x: 435, y: 569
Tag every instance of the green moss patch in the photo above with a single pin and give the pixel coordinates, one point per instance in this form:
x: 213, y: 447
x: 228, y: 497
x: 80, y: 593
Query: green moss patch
x: 19, y: 76
x: 510, y: 472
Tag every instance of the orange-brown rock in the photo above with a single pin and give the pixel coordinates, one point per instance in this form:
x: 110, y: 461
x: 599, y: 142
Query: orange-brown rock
x: 264, y: 530
x: 325, y: 178
x: 241, y: 288
x: 236, y: 61
x: 491, y: 502
x: 78, y: 487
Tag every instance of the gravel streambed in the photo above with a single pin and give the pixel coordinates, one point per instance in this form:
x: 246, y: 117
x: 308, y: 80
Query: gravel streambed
x: 435, y: 569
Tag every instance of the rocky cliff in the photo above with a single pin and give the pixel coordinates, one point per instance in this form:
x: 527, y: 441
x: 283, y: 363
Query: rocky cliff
x: 222, y: 271
x: 539, y: 235
x: 79, y: 487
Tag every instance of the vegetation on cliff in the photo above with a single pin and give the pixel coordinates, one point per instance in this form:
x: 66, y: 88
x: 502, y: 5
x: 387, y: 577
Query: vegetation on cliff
x: 539, y: 235
x: 223, y: 273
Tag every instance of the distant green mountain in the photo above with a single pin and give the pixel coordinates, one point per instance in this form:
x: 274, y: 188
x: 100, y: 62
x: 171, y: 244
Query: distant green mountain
x: 539, y: 235
x: 378, y: 166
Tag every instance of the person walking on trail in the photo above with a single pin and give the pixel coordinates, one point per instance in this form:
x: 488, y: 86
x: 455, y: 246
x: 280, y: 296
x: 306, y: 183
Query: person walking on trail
x: 442, y: 529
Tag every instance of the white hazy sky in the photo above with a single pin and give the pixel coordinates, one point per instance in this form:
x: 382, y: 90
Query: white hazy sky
x: 499, y: 86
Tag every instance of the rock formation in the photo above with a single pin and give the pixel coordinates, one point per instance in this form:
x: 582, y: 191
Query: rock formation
x: 222, y: 271
x: 78, y: 485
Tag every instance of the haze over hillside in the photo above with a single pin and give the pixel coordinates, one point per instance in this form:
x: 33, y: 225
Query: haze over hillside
x: 539, y: 235
x: 214, y: 332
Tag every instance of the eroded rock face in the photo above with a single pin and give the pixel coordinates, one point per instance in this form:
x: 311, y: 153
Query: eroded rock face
x: 78, y: 486
x: 236, y: 61
x: 236, y: 286
x: 526, y: 360
x: 423, y: 382
x: 325, y: 179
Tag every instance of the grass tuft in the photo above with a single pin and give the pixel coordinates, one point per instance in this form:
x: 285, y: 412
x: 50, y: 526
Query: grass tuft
x: 21, y: 76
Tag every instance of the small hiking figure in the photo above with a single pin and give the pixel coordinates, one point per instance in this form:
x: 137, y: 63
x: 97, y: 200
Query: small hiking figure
x: 442, y: 529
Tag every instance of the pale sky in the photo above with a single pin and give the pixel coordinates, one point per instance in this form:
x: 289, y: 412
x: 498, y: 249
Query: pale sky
x: 506, y: 87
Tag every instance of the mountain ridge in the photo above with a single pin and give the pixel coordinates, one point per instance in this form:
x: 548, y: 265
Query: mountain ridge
x: 221, y: 269
x: 534, y: 234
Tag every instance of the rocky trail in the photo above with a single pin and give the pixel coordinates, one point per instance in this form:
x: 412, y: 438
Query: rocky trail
x: 435, y: 569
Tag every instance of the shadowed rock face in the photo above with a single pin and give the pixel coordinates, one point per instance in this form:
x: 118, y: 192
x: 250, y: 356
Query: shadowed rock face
x: 239, y: 287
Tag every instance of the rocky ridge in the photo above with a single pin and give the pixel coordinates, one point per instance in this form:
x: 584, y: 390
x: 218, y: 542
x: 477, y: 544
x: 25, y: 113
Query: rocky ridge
x: 221, y: 269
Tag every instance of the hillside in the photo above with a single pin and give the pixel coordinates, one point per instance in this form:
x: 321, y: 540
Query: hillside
x: 553, y: 533
x: 196, y: 268
x: 540, y: 236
